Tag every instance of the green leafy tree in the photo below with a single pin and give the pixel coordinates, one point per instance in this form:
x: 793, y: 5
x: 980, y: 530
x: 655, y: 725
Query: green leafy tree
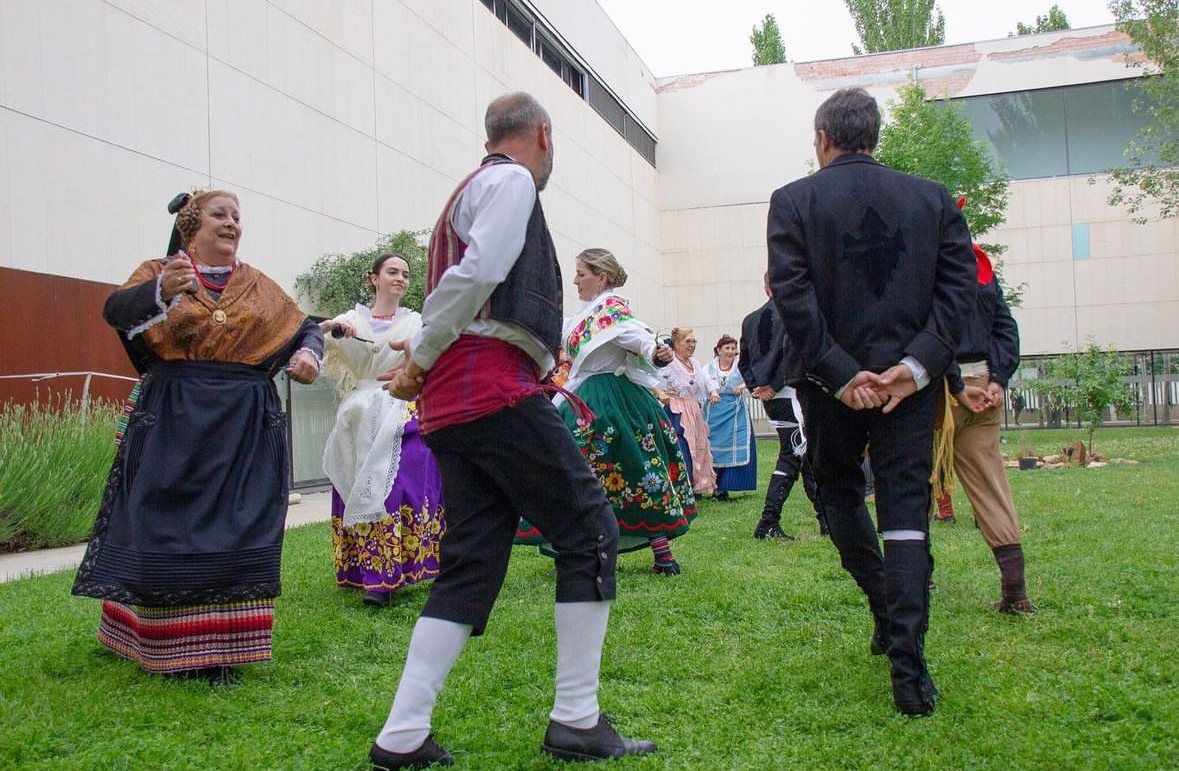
x: 1151, y: 173
x: 768, y: 47
x: 892, y: 25
x: 935, y: 140
x: 1088, y: 381
x: 1052, y: 21
x: 335, y: 283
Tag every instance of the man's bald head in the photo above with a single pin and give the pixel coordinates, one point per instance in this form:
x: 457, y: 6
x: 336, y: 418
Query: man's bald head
x: 514, y: 115
x: 519, y: 127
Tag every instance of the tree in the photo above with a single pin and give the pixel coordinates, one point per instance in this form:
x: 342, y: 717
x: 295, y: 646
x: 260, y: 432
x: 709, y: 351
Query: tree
x: 1054, y: 20
x: 892, y: 25
x: 1151, y: 173
x: 1088, y: 381
x: 767, y: 42
x: 336, y: 282
x: 935, y: 140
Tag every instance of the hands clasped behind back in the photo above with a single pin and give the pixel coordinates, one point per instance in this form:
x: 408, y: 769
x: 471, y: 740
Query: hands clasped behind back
x: 869, y: 390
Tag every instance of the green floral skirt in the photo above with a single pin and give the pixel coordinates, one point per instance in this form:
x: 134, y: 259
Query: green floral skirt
x: 632, y: 448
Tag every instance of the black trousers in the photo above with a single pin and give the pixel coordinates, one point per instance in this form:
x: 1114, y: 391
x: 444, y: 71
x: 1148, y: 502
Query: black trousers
x: 521, y: 460
x: 902, y: 456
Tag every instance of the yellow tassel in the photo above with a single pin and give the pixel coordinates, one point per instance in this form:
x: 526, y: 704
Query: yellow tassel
x: 942, y: 478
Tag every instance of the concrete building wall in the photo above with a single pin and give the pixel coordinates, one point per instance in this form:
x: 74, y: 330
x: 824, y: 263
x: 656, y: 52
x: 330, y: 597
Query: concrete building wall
x: 338, y: 122
x: 334, y: 122
x: 730, y: 138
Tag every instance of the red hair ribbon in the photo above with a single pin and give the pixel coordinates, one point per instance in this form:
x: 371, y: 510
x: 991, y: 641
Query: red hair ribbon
x: 985, y: 272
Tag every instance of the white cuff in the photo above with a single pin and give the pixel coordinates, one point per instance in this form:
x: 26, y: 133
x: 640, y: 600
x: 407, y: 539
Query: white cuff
x: 164, y: 307
x: 920, y: 374
x: 314, y: 355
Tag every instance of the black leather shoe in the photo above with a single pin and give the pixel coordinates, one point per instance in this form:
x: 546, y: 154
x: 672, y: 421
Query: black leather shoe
x: 671, y: 568
x: 375, y: 598
x: 916, y: 701
x: 601, y: 742
x: 221, y: 676
x: 429, y: 754
x: 773, y: 532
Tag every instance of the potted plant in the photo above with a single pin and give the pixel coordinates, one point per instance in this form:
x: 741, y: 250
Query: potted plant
x: 1026, y: 456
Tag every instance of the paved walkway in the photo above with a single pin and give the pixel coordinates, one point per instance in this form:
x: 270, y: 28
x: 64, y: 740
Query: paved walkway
x: 314, y: 507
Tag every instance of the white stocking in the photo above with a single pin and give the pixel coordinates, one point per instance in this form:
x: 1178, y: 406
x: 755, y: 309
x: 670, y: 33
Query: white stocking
x: 581, y: 630
x: 433, y: 649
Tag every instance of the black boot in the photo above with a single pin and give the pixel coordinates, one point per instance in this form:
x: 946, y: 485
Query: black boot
x: 908, y: 566
x: 854, y: 537
x: 878, y: 645
x: 777, y: 492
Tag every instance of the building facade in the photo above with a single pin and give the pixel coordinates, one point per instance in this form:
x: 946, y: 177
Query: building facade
x: 339, y: 122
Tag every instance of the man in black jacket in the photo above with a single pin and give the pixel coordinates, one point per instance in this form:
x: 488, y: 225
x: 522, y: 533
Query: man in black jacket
x: 762, y: 362
x: 872, y: 273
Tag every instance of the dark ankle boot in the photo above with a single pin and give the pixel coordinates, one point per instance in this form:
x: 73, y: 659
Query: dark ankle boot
x: 1015, y: 592
x: 908, y: 567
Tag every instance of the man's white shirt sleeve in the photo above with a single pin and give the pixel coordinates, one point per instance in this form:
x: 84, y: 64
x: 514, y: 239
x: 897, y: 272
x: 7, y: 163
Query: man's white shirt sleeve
x: 491, y: 218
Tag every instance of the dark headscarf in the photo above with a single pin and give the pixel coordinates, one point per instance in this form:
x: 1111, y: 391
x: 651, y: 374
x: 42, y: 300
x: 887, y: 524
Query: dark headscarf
x: 175, y: 243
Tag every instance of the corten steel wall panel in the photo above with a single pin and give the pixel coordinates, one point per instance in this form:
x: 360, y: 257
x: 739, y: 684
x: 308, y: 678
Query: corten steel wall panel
x: 54, y: 324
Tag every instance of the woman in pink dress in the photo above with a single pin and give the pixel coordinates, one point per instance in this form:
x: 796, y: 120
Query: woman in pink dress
x: 687, y: 384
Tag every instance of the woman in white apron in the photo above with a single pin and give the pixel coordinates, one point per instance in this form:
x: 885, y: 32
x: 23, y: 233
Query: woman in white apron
x: 387, y: 516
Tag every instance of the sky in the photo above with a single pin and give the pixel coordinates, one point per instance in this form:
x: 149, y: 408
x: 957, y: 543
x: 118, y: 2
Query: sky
x: 676, y: 37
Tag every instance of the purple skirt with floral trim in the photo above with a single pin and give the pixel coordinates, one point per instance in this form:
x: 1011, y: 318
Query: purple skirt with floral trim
x: 401, y: 549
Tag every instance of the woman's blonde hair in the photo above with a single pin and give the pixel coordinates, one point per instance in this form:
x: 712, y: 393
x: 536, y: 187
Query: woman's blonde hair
x: 602, y: 261
x: 680, y: 333
x: 188, y: 219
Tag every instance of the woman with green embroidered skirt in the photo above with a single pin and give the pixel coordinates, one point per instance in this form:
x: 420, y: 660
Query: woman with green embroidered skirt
x: 629, y: 442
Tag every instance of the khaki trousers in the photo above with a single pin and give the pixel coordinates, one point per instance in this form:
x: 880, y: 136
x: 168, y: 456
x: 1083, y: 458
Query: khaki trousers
x: 979, y: 466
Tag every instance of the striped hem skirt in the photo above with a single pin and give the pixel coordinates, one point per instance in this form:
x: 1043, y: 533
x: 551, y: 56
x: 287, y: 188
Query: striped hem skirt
x: 182, y: 637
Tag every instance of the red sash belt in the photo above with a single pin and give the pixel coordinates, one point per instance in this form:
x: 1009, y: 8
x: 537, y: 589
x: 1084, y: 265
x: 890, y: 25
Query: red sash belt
x: 478, y: 376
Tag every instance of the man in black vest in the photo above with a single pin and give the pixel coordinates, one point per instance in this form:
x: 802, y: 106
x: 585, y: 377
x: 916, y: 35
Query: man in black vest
x: 872, y: 273
x: 762, y: 362
x: 491, y: 327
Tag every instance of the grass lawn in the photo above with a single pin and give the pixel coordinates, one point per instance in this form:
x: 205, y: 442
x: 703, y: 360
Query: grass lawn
x: 755, y: 658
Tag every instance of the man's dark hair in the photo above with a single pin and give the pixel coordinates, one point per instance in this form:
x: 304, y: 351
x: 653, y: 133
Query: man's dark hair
x: 851, y: 119
x: 513, y: 114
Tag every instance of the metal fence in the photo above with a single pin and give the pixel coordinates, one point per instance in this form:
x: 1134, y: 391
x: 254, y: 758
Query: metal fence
x: 1153, y: 381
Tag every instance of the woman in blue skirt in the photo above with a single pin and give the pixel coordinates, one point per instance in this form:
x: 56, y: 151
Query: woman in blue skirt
x: 730, y: 428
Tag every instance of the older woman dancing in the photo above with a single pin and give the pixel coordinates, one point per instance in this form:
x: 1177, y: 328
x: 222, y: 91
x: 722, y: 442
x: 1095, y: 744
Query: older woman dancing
x: 186, y: 547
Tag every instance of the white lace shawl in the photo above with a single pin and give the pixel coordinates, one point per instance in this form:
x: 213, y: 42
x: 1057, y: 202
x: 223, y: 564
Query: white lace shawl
x: 363, y: 452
